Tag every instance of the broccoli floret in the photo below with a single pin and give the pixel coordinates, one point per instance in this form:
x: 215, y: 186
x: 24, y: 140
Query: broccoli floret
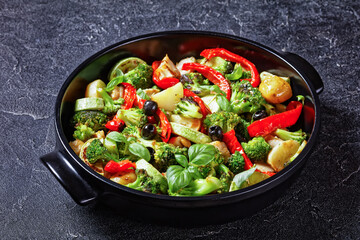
x: 226, y: 120
x: 256, y: 149
x: 133, y: 134
x: 219, y: 64
x: 193, y: 81
x: 110, y: 107
x: 299, y: 135
x: 83, y: 132
x: 140, y: 77
x: 187, y: 107
x: 164, y: 155
x: 236, y: 162
x: 93, y: 119
x: 148, y: 179
x: 96, y: 151
x: 199, y: 187
x: 226, y: 177
x: 132, y: 117
x: 245, y: 98
x: 206, y: 171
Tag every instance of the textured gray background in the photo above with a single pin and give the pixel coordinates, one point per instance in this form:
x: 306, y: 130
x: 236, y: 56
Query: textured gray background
x: 41, y: 42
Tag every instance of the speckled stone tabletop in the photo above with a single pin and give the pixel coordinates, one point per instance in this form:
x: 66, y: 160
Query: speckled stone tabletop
x: 41, y: 43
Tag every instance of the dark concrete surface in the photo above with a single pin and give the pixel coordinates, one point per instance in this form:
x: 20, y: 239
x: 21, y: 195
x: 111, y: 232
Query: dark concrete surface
x: 41, y: 43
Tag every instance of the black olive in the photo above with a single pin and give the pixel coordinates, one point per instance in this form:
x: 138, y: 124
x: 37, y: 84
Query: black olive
x: 259, y: 115
x: 216, y: 133
x: 150, y: 108
x: 148, y: 131
x: 152, y: 152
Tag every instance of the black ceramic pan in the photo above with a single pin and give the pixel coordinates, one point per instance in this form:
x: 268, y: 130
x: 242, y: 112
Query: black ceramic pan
x: 86, y: 186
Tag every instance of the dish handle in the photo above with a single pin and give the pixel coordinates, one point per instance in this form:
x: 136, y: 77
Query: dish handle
x: 307, y: 69
x: 72, y: 181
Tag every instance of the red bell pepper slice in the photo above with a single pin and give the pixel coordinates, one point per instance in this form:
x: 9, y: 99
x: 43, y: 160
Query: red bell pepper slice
x: 233, y: 145
x: 204, y: 110
x: 165, y: 82
x: 229, y: 56
x: 269, y: 124
x: 164, y: 125
x: 214, y: 76
x: 129, y: 96
x: 123, y: 166
x: 115, y: 124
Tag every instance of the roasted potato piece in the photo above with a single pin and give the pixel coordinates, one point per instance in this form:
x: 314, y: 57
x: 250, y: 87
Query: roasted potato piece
x: 281, y: 154
x: 168, y: 98
x: 275, y: 89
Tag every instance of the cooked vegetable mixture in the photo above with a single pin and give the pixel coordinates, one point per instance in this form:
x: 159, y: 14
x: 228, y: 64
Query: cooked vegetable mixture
x: 201, y: 126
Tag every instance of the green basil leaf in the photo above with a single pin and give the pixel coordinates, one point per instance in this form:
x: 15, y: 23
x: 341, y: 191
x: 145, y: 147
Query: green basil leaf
x: 240, y: 178
x: 236, y: 74
x: 177, y: 177
x: 194, y: 172
x: 114, y: 82
x: 139, y: 150
x: 223, y: 103
x: 142, y: 94
x: 182, y: 160
x: 201, y: 154
x: 117, y: 137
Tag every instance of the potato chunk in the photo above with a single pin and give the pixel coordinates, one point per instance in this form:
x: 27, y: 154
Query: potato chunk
x: 275, y: 89
x: 168, y: 98
x: 281, y: 154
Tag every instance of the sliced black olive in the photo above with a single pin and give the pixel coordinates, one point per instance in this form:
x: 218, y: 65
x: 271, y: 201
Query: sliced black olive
x: 150, y: 108
x: 148, y: 131
x: 259, y: 115
x: 216, y: 133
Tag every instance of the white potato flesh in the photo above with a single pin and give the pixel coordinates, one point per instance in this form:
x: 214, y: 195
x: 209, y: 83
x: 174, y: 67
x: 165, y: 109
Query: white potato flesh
x: 193, y: 123
x: 91, y: 89
x: 281, y: 154
x: 273, y: 140
x: 168, y: 98
x: 210, y: 102
x: 264, y: 167
x: 181, y: 63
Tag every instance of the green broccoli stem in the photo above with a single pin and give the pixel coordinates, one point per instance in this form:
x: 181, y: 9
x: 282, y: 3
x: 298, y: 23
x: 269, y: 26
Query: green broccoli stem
x: 199, y: 187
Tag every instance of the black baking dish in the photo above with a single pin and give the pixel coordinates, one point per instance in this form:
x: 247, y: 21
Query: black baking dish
x: 86, y: 186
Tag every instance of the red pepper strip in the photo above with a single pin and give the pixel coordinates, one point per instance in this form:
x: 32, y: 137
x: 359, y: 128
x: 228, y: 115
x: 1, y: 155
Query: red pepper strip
x: 115, y: 167
x: 204, y: 110
x: 129, y: 95
x: 214, y: 76
x: 269, y: 124
x: 115, y: 124
x: 232, y: 57
x: 165, y: 82
x: 164, y: 125
x: 233, y: 145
